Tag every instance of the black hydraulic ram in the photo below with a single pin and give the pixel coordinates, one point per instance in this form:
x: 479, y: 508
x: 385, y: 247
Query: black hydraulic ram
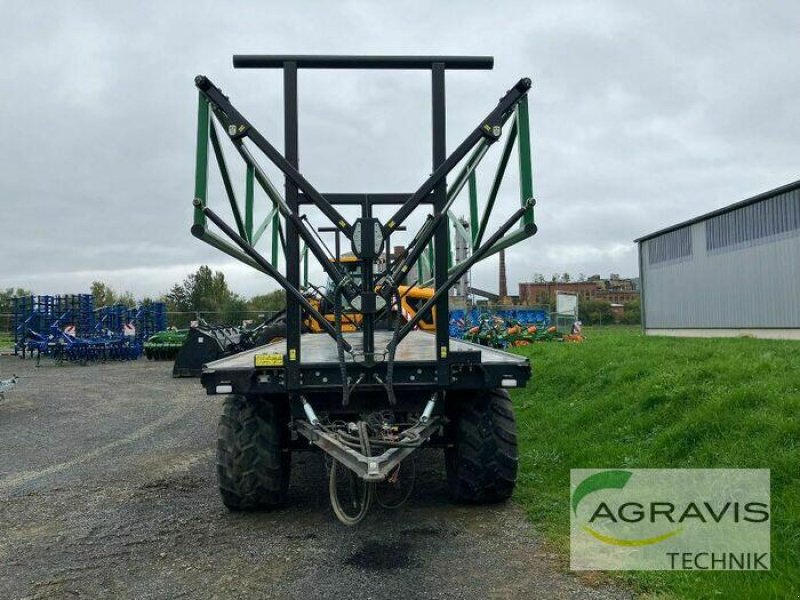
x: 269, y: 270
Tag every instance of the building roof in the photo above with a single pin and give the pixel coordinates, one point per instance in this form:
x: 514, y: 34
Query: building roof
x: 789, y: 187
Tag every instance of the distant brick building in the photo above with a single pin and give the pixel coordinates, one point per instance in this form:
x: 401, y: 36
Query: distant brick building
x: 545, y: 293
x: 613, y: 290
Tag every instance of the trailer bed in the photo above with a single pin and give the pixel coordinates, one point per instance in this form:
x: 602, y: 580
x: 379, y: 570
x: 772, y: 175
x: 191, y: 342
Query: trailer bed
x: 320, y: 348
x: 469, y: 365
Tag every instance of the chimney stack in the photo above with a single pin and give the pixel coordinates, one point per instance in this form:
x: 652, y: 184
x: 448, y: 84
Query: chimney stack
x: 503, y: 287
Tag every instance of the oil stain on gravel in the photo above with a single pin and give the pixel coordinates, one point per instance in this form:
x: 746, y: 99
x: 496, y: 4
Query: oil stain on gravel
x: 383, y: 556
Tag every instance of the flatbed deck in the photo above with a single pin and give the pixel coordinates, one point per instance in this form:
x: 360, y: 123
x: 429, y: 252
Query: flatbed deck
x: 320, y: 348
x: 469, y: 365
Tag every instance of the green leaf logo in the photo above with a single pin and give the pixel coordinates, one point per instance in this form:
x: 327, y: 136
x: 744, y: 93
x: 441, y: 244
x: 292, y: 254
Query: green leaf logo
x: 606, y: 480
x: 599, y: 481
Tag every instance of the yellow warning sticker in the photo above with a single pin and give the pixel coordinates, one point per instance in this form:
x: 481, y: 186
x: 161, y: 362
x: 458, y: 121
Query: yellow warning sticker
x: 443, y: 351
x: 292, y: 354
x: 269, y: 360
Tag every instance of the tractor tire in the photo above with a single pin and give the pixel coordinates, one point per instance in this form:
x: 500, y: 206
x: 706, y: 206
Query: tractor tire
x: 482, y: 463
x: 253, y: 462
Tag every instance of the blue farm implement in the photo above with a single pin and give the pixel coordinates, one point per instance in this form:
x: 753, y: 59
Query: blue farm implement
x: 70, y: 328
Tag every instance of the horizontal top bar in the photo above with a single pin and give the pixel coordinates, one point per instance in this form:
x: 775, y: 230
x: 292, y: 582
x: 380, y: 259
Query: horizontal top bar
x: 312, y: 61
x: 373, y: 199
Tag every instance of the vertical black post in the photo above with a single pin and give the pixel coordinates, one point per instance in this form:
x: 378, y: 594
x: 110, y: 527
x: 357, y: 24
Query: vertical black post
x: 368, y: 287
x: 293, y: 311
x: 440, y: 238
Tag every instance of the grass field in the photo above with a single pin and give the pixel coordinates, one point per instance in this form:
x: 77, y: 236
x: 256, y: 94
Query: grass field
x: 624, y: 400
x: 6, y: 341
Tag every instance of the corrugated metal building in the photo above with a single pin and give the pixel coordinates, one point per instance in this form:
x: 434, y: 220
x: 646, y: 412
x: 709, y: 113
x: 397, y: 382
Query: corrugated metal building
x: 734, y: 271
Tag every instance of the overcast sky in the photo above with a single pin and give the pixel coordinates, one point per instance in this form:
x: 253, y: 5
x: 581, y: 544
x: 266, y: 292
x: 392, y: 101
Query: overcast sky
x: 643, y: 114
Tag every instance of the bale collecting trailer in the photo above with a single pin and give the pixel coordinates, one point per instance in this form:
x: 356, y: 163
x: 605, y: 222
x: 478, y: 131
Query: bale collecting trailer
x: 367, y: 398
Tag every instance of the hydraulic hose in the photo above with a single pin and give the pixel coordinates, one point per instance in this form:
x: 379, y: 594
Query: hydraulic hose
x: 365, y: 499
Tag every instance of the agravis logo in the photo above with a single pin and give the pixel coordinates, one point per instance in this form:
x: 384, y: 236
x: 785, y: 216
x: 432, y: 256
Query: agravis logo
x: 670, y: 519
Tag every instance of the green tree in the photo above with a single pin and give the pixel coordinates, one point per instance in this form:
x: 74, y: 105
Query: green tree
x: 126, y: 298
x: 632, y: 314
x: 208, y: 291
x: 595, y: 312
x: 7, y: 308
x: 103, y: 294
x: 205, y: 291
x: 271, y: 302
x: 177, y: 300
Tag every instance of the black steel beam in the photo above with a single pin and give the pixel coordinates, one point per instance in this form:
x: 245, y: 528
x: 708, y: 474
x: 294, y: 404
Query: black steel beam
x: 456, y: 274
x: 302, y: 61
x: 292, y: 217
x: 356, y: 199
x: 226, y: 179
x: 441, y: 250
x: 294, y: 318
x: 266, y: 266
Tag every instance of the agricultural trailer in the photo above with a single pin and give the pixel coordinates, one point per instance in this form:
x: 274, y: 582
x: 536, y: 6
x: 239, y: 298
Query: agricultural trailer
x: 367, y: 398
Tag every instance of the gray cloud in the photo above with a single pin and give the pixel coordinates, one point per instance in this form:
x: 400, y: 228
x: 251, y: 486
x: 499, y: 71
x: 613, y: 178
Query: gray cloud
x: 643, y: 115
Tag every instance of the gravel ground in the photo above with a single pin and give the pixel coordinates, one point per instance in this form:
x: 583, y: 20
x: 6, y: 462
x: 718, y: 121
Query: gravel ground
x: 107, y: 489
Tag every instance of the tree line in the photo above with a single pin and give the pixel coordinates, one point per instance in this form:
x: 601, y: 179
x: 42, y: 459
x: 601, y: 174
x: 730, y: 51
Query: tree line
x: 207, y: 293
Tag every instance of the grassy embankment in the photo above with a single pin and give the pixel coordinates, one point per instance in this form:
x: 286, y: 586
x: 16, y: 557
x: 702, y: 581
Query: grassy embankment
x: 624, y: 400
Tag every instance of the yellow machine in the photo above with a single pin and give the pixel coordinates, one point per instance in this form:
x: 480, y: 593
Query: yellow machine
x: 412, y: 298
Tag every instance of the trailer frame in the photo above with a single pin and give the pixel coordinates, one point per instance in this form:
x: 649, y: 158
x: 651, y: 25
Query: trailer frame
x: 388, y: 386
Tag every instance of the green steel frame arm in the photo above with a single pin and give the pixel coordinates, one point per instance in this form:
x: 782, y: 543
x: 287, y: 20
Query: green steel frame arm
x: 239, y: 128
x: 337, y: 275
x: 502, y: 243
x: 520, y: 133
x: 485, y: 130
x: 400, y: 269
x: 212, y: 95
